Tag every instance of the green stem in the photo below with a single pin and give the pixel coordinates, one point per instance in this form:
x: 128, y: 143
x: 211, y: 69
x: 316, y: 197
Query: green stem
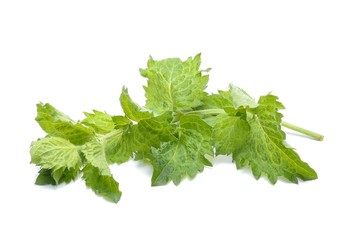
x: 112, y: 134
x: 206, y: 112
x: 311, y: 134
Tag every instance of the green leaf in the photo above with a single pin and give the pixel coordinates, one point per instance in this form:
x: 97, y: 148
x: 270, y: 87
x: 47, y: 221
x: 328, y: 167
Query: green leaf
x: 132, y: 110
x: 103, y: 185
x: 238, y: 97
x: 174, y: 84
x: 94, y: 152
x: 265, y: 151
x: 101, y: 122
x: 196, y: 134
x: 55, y: 153
x: 45, y: 177
x: 59, y: 159
x: 217, y: 101
x: 121, y: 121
x: 229, y: 133
x: 150, y: 132
x: 55, y: 177
x: 176, y: 131
x: 119, y: 146
x: 184, y: 157
x: 57, y: 124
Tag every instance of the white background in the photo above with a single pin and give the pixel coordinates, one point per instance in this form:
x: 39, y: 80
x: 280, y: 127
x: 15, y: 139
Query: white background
x: 77, y: 55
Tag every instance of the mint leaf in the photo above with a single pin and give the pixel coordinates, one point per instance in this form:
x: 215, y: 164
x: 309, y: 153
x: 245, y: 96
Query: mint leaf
x: 174, y: 84
x: 238, y: 97
x: 265, y: 151
x: 132, y: 110
x: 55, y: 153
x: 119, y: 146
x: 217, y: 101
x: 103, y: 185
x: 101, y: 122
x: 97, y: 173
x: 59, y: 158
x: 121, y: 121
x: 94, y: 152
x: 57, y: 124
x: 229, y: 133
x: 55, y: 177
x: 184, y: 157
x: 45, y: 178
x: 151, y: 132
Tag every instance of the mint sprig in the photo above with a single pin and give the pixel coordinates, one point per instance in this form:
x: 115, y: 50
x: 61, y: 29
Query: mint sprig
x: 178, y: 128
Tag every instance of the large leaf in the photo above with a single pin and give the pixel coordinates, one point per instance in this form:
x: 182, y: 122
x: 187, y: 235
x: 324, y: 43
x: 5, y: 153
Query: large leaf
x: 174, y: 84
x: 184, y: 157
x: 265, y: 151
x: 59, y: 159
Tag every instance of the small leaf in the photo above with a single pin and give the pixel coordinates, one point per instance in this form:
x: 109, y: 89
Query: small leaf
x: 121, y: 121
x: 45, y: 178
x: 95, y: 155
x: 132, y: 110
x: 101, y: 122
x: 119, y: 147
x: 238, y: 97
x: 102, y: 185
x: 217, y: 101
x: 57, y: 124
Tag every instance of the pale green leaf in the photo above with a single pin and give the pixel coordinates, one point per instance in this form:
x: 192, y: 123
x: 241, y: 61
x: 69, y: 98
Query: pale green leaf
x: 174, y: 84
x: 59, y: 159
x: 217, y: 101
x: 101, y: 122
x: 55, y: 153
x: 94, y: 152
x: 238, y: 97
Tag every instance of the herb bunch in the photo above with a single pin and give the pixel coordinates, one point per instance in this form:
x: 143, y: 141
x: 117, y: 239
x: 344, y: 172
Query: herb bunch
x: 178, y: 128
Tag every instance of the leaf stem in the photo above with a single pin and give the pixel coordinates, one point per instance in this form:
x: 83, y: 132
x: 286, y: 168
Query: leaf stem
x: 206, y: 112
x: 309, y: 133
x: 112, y: 134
